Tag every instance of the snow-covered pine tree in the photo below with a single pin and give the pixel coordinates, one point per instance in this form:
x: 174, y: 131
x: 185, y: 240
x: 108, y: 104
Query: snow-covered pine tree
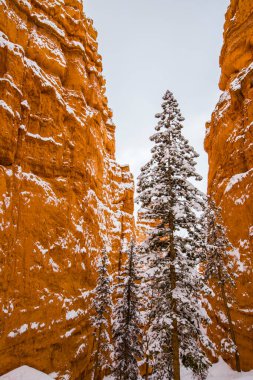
x: 126, y: 330
x: 102, y: 306
x: 217, y: 264
x: 174, y: 246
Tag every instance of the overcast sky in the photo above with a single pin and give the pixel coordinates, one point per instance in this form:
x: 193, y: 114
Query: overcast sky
x: 149, y: 46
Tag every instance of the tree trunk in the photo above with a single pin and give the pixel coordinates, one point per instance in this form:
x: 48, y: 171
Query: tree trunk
x: 147, y: 368
x: 123, y: 374
x: 173, y: 281
x: 175, y: 338
x: 96, y: 361
x: 230, y: 323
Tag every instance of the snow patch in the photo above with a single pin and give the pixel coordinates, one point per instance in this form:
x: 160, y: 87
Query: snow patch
x: 15, y: 49
x: 68, y: 333
x: 53, y: 264
x: 11, y: 83
x: 54, y: 375
x: 237, y: 82
x: 242, y: 199
x: 34, y: 325
x: 49, y: 23
x: 43, y: 42
x: 25, y: 373
x: 220, y: 371
x: 223, y: 104
x: 236, y: 179
x: 7, y: 108
x: 236, y: 253
x: 19, y: 331
x: 51, y: 197
x: 46, y: 139
x: 41, y: 248
x: 25, y: 104
x: 72, y: 314
x: 80, y: 349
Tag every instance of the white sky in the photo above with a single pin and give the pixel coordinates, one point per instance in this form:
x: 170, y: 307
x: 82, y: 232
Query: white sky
x: 149, y: 46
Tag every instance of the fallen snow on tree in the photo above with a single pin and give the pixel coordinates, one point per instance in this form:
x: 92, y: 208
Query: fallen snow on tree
x: 25, y: 373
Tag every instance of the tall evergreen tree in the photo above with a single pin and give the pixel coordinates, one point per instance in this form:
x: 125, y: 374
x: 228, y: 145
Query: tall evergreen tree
x: 174, y: 245
x: 126, y: 330
x: 102, y: 306
x: 218, y: 261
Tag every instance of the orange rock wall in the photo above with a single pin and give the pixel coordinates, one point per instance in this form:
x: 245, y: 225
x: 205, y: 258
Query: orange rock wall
x: 229, y: 143
x: 61, y: 191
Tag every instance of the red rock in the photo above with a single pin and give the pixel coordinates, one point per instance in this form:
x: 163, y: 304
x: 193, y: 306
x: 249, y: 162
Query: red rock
x: 61, y: 190
x: 229, y: 143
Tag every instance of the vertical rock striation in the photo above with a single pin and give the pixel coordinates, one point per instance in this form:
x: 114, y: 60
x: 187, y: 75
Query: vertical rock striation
x: 61, y: 191
x: 229, y: 143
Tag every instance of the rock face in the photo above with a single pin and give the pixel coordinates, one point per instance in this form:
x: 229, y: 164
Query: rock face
x: 61, y: 192
x: 229, y: 143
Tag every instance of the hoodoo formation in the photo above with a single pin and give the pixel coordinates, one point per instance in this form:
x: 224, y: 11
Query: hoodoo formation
x: 230, y: 149
x: 62, y: 195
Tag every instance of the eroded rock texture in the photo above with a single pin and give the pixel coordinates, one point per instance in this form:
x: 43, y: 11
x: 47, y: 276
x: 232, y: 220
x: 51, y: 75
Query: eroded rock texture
x: 61, y: 191
x: 229, y: 143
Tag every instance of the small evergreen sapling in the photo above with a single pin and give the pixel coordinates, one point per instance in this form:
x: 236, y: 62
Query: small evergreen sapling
x: 174, y: 245
x: 146, y: 295
x: 217, y: 261
x: 126, y: 330
x: 102, y: 306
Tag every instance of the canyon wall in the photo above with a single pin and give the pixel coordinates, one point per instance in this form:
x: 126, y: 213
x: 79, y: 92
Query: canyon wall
x: 229, y: 143
x: 62, y: 194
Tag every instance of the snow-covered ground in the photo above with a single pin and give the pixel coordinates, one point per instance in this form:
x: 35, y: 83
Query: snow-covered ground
x: 219, y: 371
x: 25, y: 373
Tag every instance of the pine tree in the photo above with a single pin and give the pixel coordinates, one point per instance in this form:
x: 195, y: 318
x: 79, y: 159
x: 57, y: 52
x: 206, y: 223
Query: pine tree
x: 126, y: 330
x: 174, y: 246
x: 102, y: 306
x: 217, y: 264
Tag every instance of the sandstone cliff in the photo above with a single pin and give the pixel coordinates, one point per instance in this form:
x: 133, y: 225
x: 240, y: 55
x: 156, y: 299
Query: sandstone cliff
x: 61, y: 191
x: 229, y: 143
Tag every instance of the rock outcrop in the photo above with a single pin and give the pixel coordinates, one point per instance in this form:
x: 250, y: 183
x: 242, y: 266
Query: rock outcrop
x: 62, y: 194
x: 229, y: 143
